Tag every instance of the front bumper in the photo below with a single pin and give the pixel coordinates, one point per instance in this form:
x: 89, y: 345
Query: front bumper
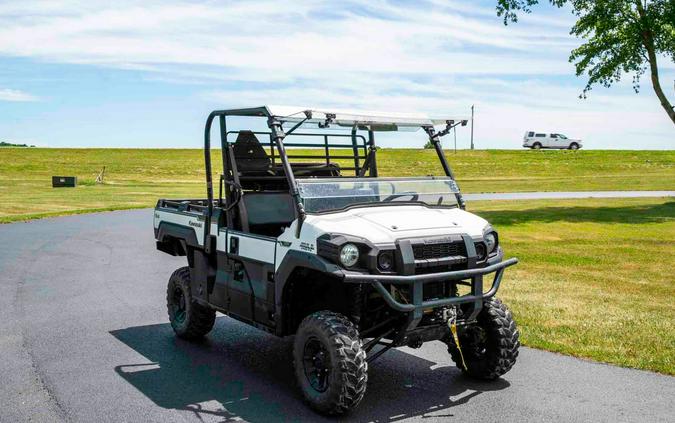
x: 417, y: 282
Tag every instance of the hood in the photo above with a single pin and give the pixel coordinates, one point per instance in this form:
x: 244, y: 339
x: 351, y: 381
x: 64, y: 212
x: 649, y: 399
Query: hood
x: 389, y: 223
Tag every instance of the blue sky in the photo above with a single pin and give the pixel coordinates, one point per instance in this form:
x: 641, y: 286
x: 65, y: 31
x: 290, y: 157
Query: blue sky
x: 146, y: 74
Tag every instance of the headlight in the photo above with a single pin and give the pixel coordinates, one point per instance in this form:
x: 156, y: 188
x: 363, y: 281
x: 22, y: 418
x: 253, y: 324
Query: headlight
x: 349, y: 255
x: 385, y: 261
x: 491, y: 241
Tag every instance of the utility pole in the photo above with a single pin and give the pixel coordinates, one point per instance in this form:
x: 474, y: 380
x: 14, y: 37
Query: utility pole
x: 472, y: 126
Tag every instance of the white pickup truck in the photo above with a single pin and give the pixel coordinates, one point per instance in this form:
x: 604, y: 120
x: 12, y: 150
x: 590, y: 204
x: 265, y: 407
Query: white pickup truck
x: 537, y: 140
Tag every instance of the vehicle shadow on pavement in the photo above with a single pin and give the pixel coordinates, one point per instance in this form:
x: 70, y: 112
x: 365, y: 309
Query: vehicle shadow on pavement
x: 238, y: 372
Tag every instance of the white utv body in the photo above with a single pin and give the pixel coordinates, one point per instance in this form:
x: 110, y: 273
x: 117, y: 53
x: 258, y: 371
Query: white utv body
x: 311, y: 242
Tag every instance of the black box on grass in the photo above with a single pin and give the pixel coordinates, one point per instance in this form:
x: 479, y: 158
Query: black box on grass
x: 64, y: 181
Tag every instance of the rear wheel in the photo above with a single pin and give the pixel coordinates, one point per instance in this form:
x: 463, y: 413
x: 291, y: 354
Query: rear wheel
x: 330, y: 363
x: 574, y: 146
x: 536, y: 146
x: 490, y: 347
x: 189, y: 319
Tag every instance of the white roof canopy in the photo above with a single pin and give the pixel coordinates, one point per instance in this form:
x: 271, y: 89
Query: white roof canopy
x: 376, y: 120
x: 360, y: 117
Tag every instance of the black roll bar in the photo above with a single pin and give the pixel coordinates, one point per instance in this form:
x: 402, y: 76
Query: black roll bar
x: 355, y: 150
x: 278, y: 137
x: 372, y: 153
x: 435, y: 139
x: 209, y: 183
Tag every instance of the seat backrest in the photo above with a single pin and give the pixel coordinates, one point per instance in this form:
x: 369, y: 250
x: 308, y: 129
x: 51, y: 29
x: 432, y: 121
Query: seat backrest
x: 307, y: 170
x: 250, y: 155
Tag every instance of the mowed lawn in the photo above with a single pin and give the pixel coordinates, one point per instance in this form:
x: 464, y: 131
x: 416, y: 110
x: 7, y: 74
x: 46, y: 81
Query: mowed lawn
x: 596, y: 277
x: 138, y: 177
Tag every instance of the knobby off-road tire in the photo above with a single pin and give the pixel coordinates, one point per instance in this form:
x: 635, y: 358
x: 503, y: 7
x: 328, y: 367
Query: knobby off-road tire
x: 490, y: 347
x: 189, y: 319
x: 330, y: 363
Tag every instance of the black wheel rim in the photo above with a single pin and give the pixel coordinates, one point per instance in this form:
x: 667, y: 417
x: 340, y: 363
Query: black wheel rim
x: 179, y: 311
x: 317, y: 364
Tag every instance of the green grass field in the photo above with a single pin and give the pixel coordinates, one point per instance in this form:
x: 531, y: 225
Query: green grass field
x: 595, y: 278
x: 137, y: 177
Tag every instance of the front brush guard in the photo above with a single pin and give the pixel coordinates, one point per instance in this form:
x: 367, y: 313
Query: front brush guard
x: 417, y: 282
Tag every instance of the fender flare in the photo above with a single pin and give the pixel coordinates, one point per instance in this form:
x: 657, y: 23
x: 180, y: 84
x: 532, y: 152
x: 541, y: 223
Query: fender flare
x: 186, y: 235
x: 292, y: 260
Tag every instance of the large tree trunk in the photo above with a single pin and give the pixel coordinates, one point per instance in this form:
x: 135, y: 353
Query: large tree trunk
x: 654, y: 71
x: 648, y: 41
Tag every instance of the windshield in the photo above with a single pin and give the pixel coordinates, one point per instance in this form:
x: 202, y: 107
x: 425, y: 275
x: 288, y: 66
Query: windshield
x: 334, y: 194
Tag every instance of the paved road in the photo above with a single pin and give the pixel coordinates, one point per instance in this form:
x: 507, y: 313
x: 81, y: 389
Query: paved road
x: 564, y: 195
x: 83, y: 337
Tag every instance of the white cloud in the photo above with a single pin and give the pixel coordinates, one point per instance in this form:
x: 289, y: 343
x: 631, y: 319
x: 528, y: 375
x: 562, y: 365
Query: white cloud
x: 271, y: 35
x: 7, y: 94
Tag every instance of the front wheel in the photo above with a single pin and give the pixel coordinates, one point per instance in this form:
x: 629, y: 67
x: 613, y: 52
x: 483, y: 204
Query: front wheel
x: 574, y: 146
x: 536, y: 146
x: 330, y: 363
x: 490, y: 346
x: 189, y: 319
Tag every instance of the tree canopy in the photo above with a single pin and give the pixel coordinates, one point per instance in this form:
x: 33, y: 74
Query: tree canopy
x: 621, y: 37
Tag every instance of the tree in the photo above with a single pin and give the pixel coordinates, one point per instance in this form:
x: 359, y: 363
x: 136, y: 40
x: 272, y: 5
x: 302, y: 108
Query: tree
x: 622, y: 37
x: 9, y: 144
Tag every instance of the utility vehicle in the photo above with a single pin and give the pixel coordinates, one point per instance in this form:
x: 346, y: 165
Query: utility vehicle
x: 302, y: 237
x: 537, y: 140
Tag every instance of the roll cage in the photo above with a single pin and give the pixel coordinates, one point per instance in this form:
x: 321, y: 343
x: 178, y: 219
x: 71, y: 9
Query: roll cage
x: 274, y: 172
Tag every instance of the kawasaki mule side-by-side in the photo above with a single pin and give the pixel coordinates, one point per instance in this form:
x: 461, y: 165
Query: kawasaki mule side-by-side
x: 302, y: 237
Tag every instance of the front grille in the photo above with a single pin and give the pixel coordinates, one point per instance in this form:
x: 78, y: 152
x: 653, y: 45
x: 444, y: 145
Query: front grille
x: 434, y: 251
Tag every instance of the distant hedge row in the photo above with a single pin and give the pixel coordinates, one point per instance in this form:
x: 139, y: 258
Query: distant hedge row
x: 9, y: 144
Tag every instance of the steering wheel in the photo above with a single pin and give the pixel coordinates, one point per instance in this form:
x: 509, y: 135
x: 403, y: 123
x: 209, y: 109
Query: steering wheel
x: 413, y: 196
